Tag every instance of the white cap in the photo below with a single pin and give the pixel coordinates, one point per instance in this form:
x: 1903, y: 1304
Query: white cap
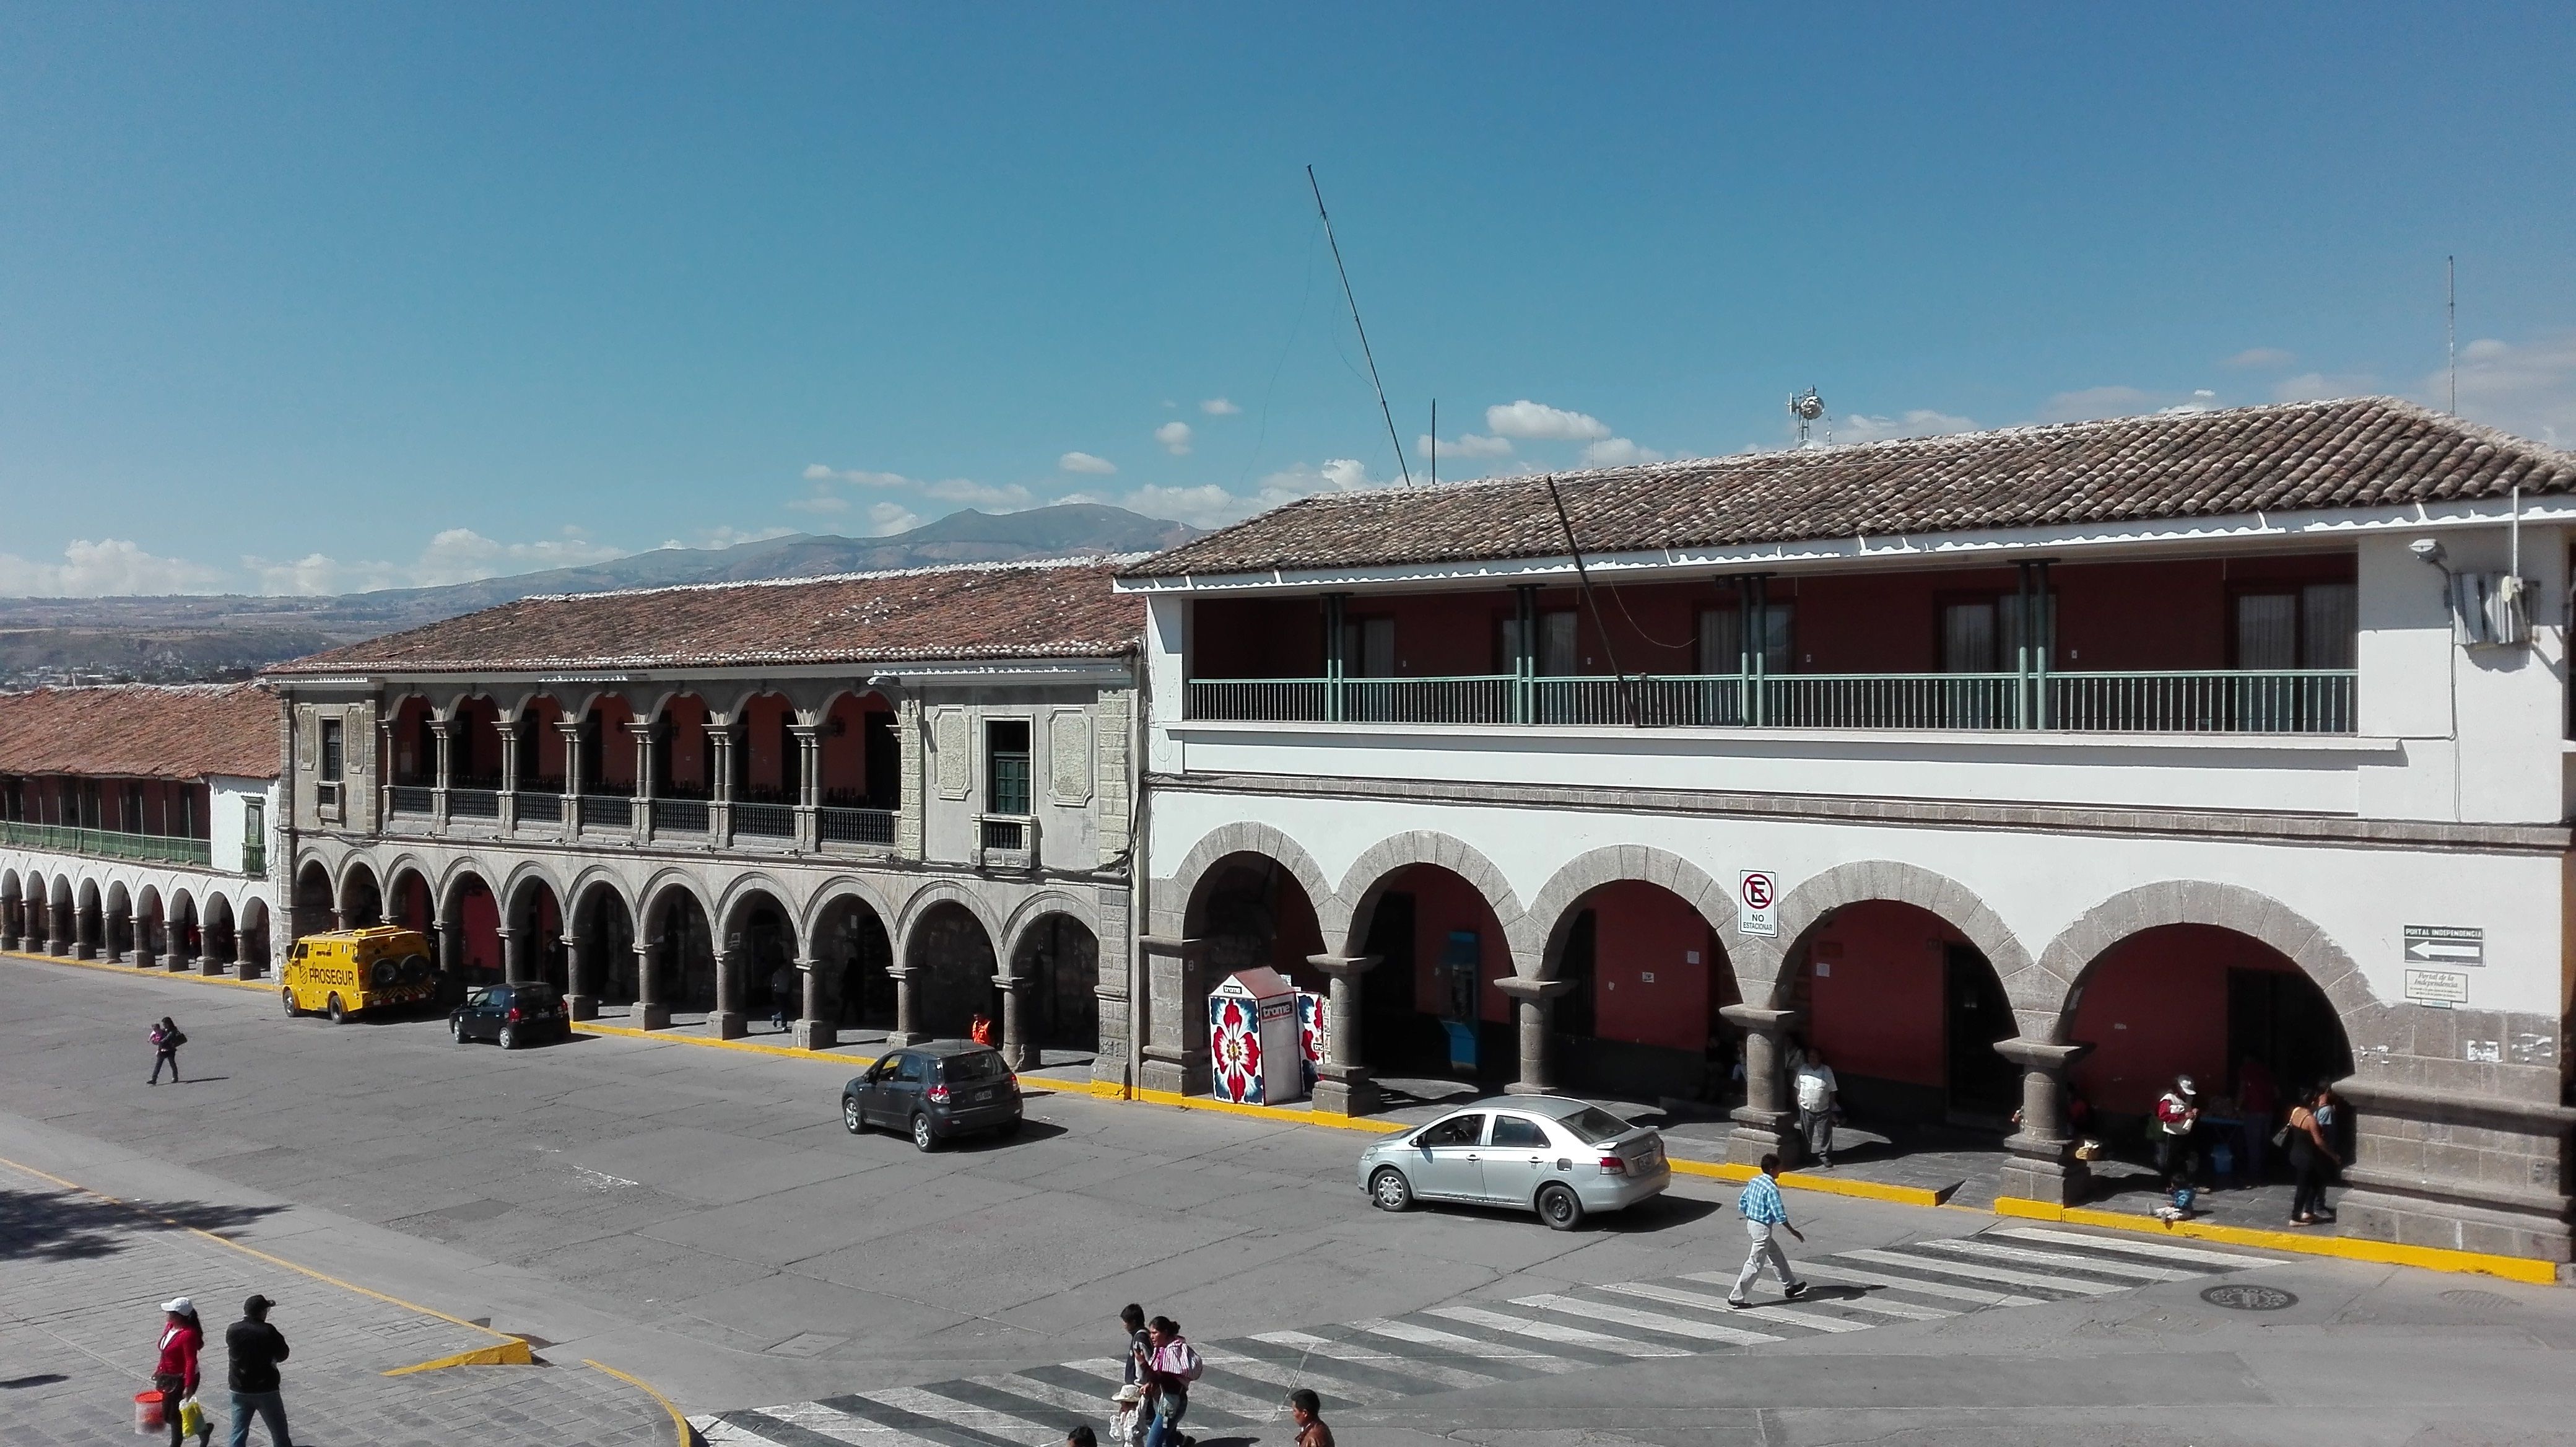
x: 2183, y: 1084
x: 180, y: 1304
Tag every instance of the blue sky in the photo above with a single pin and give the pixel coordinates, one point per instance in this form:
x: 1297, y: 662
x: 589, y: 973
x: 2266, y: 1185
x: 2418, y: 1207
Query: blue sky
x: 346, y: 296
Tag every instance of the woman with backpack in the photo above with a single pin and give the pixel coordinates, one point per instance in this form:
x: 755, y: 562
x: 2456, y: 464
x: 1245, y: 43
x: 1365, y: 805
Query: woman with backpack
x: 167, y: 1037
x: 1168, y: 1371
x: 2310, y: 1149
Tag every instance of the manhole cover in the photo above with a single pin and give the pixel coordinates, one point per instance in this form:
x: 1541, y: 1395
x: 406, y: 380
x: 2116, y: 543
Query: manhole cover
x: 2238, y: 1296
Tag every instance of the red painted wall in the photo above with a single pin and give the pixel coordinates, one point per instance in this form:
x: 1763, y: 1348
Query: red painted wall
x: 616, y: 746
x: 764, y: 735
x: 481, y: 916
x: 1257, y: 638
x: 845, y: 755
x: 1641, y: 929
x: 686, y: 738
x: 1443, y: 902
x: 2155, y: 1006
x: 1874, y: 993
x: 542, y: 715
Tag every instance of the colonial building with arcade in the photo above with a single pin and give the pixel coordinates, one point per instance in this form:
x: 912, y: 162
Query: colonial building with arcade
x: 2001, y: 770
x: 883, y: 801
x: 136, y: 822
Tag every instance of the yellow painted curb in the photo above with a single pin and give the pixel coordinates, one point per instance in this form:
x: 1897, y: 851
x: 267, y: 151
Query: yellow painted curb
x: 139, y: 972
x: 511, y: 1353
x: 1266, y: 1112
x: 1824, y: 1185
x: 2348, y: 1248
x: 682, y: 1035
x: 679, y: 1423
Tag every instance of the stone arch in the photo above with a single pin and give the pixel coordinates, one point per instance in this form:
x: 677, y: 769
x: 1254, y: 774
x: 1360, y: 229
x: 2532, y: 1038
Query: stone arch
x: 525, y: 874
x: 577, y: 891
x: 1541, y: 935
x: 313, y: 897
x: 1223, y: 843
x: 360, y: 893
x: 1758, y: 963
x: 740, y: 893
x: 2044, y: 996
x: 1345, y: 915
x: 838, y: 889
x: 656, y: 893
x: 1033, y: 910
x: 448, y: 886
x: 931, y: 896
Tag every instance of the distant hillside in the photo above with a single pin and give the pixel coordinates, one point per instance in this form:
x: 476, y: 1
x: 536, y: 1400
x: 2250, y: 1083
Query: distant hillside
x: 167, y: 639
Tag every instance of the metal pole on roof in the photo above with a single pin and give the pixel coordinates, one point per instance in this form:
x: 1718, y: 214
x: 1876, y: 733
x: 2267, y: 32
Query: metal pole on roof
x: 1356, y: 326
x: 2451, y: 326
x: 1583, y: 580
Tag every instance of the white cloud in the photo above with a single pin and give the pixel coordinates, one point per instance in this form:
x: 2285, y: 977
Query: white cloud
x: 1618, y: 452
x: 456, y: 555
x: 2312, y: 386
x: 1219, y: 407
x: 318, y: 575
x: 891, y: 517
x: 1537, y: 420
x: 1209, y: 505
x: 1175, y: 437
x: 962, y: 490
x: 1465, y: 444
x: 2526, y: 388
x: 2261, y: 357
x: 1085, y: 462
x: 109, y: 565
x: 820, y: 502
x: 1920, y: 422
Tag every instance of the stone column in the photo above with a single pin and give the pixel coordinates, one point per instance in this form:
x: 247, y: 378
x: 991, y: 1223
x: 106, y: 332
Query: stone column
x: 570, y: 728
x: 85, y: 940
x: 1343, y: 1086
x: 1535, y: 1002
x: 515, y: 947
x: 640, y: 812
x: 442, y: 732
x: 182, y: 953
x: 580, y: 1004
x: 509, y: 729
x: 1018, y: 1050
x: 722, y: 740
x: 10, y: 928
x: 118, y: 929
x: 813, y: 1032
x: 1765, y: 1124
x: 60, y: 927
x: 2043, y: 1166
x: 809, y: 784
x: 909, y: 806
x: 146, y: 953
x: 1176, y: 1044
x: 209, y: 964
x: 651, y: 1011
x: 907, y: 1019
x: 725, y: 1021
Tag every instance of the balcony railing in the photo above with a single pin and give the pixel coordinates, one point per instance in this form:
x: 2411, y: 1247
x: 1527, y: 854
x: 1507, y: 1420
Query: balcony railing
x: 473, y: 803
x: 1001, y: 835
x: 539, y: 808
x: 107, y: 843
x: 679, y: 816
x: 2272, y: 701
x: 769, y: 821
x: 410, y: 799
x: 605, y: 811
x: 854, y: 826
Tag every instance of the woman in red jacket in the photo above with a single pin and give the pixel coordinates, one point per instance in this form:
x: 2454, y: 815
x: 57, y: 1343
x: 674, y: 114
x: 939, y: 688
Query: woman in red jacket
x: 175, y: 1375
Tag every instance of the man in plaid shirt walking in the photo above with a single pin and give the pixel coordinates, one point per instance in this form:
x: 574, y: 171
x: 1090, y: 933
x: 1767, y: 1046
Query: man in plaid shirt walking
x: 1762, y: 1211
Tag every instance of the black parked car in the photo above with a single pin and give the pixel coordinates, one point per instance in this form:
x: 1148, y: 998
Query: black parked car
x: 936, y: 1090
x: 511, y: 1015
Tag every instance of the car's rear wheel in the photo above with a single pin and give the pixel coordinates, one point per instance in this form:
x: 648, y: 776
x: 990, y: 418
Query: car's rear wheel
x: 850, y: 1118
x: 1559, y: 1208
x: 456, y: 1029
x: 923, y: 1137
x: 333, y: 1008
x: 1390, y: 1191
x: 508, y: 1039
x: 289, y: 997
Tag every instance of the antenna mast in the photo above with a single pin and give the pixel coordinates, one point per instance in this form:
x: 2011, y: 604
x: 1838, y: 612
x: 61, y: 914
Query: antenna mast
x: 1807, y: 407
x: 1356, y: 326
x: 1435, y: 442
x: 2451, y: 326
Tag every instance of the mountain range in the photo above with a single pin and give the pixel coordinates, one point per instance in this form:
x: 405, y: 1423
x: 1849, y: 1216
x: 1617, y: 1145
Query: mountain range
x: 182, y: 637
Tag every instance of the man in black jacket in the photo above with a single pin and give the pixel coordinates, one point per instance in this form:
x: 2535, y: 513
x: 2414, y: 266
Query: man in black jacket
x: 256, y: 1348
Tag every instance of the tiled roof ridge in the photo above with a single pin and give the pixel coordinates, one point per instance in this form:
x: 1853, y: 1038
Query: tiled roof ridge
x: 226, y: 686
x: 1018, y: 565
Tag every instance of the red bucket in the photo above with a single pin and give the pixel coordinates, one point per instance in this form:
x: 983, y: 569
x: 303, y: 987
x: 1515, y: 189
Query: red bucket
x: 147, y: 1414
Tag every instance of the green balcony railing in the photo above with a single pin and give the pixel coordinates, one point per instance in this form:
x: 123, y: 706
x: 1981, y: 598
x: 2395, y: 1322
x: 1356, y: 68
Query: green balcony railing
x: 2269, y: 701
x: 107, y: 843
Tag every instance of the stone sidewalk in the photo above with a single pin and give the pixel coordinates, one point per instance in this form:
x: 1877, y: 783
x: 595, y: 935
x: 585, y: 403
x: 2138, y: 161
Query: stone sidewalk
x: 81, y: 1278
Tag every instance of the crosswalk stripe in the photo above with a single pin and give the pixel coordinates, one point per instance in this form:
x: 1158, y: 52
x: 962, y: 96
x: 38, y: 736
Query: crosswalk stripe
x: 1834, y: 1271
x: 1649, y: 1320
x: 948, y: 1411
x: 1556, y: 1331
x: 1468, y: 1346
x: 1902, y: 1311
x: 1209, y: 1402
x: 782, y: 1427
x: 2126, y: 1270
x: 1363, y: 1355
x: 1044, y: 1415
x: 1285, y: 1377
x: 1978, y: 1270
x: 717, y: 1432
x: 2141, y: 1248
x: 1095, y: 1404
x: 1787, y: 1316
x: 813, y: 1424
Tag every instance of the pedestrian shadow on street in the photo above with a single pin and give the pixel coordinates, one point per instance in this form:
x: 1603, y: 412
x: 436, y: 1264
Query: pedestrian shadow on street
x: 67, y: 1226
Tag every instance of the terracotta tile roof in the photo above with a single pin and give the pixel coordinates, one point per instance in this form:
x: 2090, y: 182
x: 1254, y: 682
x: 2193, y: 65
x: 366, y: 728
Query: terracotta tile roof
x: 2370, y: 452
x: 141, y: 730
x: 969, y: 612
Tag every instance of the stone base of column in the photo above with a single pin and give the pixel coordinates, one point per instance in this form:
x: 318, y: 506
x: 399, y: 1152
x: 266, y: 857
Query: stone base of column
x: 8, y: 942
x: 652, y: 1017
x: 726, y: 1024
x: 1760, y: 1133
x: 897, y: 1039
x: 210, y: 967
x: 146, y: 960
x: 2059, y: 1181
x: 84, y: 952
x: 582, y: 1007
x: 815, y: 1034
x: 1354, y: 1094
x: 1184, y: 1074
x: 59, y: 949
x: 177, y: 964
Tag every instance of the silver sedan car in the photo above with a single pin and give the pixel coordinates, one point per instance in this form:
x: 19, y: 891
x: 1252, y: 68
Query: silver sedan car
x: 1564, y: 1159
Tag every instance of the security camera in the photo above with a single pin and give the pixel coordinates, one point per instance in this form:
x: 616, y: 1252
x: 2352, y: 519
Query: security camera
x: 2428, y: 549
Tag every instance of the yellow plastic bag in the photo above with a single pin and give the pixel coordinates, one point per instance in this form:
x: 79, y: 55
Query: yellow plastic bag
x: 192, y: 1419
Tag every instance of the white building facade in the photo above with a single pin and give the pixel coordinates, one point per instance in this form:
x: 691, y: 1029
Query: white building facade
x: 2004, y: 771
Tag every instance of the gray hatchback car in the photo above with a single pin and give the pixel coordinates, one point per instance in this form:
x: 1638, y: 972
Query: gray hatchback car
x: 933, y: 1091
x: 1564, y: 1159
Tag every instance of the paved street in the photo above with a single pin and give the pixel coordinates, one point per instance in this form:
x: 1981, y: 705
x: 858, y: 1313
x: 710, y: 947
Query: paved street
x: 697, y: 1217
